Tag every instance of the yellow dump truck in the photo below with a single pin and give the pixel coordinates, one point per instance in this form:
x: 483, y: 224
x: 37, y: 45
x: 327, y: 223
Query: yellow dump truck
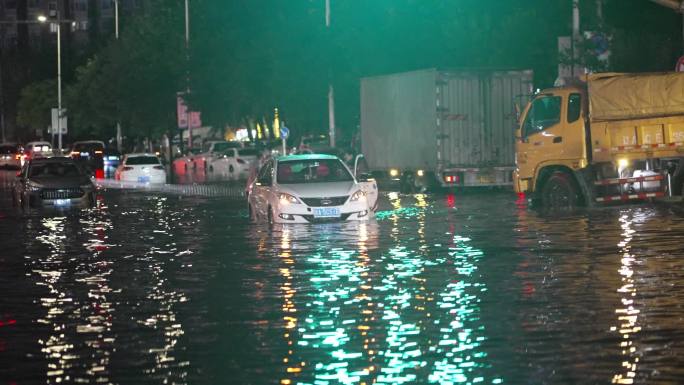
x: 612, y: 137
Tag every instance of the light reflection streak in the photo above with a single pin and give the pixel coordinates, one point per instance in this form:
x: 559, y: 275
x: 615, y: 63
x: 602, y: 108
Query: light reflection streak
x: 166, y: 300
x: 410, y: 314
x: 627, y: 315
x: 81, y: 355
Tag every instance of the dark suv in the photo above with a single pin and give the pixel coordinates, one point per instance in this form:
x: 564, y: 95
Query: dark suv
x: 89, y: 153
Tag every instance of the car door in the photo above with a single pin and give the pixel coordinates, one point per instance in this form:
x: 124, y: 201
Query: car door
x: 365, y: 180
x: 542, y: 134
x: 262, y: 190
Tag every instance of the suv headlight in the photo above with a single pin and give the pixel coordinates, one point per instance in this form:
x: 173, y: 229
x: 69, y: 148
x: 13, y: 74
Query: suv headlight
x: 359, y: 195
x: 286, y: 199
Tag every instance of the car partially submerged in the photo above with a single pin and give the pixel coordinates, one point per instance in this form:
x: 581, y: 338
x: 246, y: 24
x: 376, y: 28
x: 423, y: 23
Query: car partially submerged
x: 10, y: 155
x: 56, y: 181
x: 308, y: 188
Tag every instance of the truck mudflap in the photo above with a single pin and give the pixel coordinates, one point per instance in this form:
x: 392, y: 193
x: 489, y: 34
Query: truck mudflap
x: 634, y: 188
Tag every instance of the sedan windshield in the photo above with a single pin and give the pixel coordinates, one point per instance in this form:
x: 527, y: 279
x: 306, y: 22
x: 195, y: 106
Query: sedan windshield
x: 141, y: 160
x: 8, y: 150
x: 54, y: 170
x: 88, y: 147
x: 223, y: 146
x: 312, y: 171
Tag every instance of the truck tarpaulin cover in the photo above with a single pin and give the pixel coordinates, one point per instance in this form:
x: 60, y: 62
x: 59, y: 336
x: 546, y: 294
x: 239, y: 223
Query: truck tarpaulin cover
x: 615, y: 96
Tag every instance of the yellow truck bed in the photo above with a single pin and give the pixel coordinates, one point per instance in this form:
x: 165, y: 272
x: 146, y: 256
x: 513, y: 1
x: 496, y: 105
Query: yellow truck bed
x: 636, y: 116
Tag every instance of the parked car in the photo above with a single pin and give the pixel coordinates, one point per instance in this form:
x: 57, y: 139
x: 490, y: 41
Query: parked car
x: 111, y: 158
x: 210, y: 151
x: 234, y: 163
x: 142, y: 167
x: 306, y: 189
x: 182, y: 165
x: 10, y: 155
x: 89, y: 153
x: 56, y: 181
x: 39, y: 149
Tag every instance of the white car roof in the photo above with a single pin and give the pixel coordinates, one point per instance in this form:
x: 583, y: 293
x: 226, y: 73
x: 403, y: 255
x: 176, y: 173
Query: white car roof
x: 136, y: 154
x: 307, y: 157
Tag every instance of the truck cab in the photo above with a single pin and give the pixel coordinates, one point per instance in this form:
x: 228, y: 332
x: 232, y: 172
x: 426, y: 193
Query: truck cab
x: 551, y: 140
x: 615, y: 138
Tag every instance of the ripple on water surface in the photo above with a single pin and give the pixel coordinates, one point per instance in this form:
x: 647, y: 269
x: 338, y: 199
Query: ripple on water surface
x: 438, y: 289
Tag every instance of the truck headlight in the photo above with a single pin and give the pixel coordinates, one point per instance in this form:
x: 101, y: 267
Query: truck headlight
x: 359, y: 195
x: 286, y: 199
x: 394, y: 172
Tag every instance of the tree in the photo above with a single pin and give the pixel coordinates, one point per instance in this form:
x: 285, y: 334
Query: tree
x: 35, y: 103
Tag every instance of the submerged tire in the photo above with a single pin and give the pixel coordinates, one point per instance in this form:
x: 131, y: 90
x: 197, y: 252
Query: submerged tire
x: 560, y: 192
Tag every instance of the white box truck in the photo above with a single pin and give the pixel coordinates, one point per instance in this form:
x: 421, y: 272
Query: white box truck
x: 443, y: 128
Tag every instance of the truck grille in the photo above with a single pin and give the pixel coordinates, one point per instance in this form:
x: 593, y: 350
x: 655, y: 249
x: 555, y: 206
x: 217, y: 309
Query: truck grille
x: 322, y: 202
x: 67, y: 193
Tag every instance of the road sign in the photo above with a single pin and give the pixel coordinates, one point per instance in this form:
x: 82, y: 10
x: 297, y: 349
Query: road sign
x: 680, y: 65
x: 62, y: 122
x: 284, y: 132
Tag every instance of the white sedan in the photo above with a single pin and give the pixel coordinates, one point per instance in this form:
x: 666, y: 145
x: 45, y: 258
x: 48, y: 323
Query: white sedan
x: 142, y: 168
x: 234, y: 163
x: 306, y: 189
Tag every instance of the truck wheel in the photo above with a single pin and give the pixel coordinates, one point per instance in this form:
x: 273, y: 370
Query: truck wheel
x: 560, y: 192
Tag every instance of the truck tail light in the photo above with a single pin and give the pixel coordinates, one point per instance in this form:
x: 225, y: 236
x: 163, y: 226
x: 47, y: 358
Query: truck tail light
x: 127, y: 168
x: 158, y: 167
x: 241, y: 161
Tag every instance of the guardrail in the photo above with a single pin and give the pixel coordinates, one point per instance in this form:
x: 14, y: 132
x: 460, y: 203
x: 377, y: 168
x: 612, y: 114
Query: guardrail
x: 205, y: 190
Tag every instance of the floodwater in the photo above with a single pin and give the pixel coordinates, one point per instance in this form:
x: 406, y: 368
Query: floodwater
x: 444, y: 289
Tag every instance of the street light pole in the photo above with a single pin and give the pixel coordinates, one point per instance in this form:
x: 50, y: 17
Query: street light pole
x: 59, y: 85
x: 187, y: 75
x: 331, y: 90
x: 119, y: 136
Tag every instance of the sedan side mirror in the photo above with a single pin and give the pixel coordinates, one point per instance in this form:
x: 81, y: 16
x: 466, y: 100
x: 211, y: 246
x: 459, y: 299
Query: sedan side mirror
x: 364, y: 177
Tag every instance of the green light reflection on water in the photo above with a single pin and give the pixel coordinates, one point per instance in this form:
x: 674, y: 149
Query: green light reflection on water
x: 404, y: 316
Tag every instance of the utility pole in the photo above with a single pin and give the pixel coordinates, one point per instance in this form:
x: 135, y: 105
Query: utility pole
x: 331, y: 90
x: 575, y: 35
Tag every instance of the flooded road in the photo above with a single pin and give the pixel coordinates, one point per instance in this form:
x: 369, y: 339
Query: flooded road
x: 444, y: 289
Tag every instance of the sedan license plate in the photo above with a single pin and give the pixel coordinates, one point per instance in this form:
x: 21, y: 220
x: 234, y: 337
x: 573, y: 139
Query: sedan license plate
x: 144, y: 179
x: 62, y: 202
x: 326, y: 212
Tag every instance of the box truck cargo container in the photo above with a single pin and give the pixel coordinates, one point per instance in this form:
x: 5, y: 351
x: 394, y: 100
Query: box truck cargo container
x: 455, y: 128
x: 615, y: 137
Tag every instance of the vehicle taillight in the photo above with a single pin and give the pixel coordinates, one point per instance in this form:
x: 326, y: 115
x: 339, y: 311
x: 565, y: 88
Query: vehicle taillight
x: 158, y: 167
x: 127, y: 168
x: 98, y: 152
x: 75, y: 153
x: 451, y: 178
x: 241, y: 161
x: 17, y: 157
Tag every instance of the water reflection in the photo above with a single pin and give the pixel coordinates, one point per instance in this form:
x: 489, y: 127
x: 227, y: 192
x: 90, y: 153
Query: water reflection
x: 628, y: 315
x: 408, y: 313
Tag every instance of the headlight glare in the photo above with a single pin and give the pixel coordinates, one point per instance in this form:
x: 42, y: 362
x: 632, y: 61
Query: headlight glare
x: 359, y: 195
x: 286, y: 199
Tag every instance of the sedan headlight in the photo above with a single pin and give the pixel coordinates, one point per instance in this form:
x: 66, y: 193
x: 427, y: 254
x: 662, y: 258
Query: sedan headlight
x: 33, y: 187
x: 359, y: 195
x: 286, y: 199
